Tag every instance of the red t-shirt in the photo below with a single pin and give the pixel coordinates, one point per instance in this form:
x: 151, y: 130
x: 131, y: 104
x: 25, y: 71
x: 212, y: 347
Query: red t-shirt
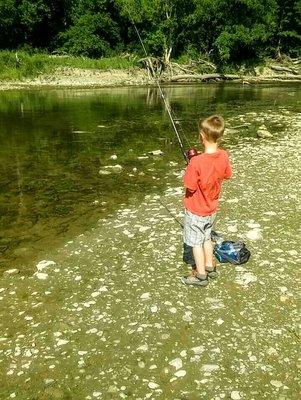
x: 203, y: 181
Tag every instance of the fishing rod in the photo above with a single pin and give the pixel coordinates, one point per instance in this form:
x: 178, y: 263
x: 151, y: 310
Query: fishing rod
x: 190, y: 153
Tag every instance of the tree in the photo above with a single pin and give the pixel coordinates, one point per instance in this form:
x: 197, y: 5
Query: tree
x: 94, y: 30
x: 161, y: 23
x: 287, y: 39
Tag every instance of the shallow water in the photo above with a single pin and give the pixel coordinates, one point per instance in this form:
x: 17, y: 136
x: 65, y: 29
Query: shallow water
x: 54, y: 143
x: 106, y: 317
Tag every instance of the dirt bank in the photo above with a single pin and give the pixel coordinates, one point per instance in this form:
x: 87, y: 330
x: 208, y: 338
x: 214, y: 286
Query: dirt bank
x: 87, y: 78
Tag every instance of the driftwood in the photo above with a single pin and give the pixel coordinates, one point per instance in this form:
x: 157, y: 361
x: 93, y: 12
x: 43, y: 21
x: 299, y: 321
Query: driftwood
x: 283, y: 69
x: 278, y: 78
x: 245, y: 79
x: 203, y: 77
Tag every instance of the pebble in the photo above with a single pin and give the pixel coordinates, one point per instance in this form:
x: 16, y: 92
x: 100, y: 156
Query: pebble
x: 41, y: 275
x: 144, y: 347
x: 61, y: 342
x: 177, y: 363
x: 153, y: 385
x: 154, y: 309
x: 44, y: 264
x: 277, y: 384
x: 235, y: 395
x: 198, y: 349
x: 180, y: 373
x: 210, y: 367
x: 11, y: 272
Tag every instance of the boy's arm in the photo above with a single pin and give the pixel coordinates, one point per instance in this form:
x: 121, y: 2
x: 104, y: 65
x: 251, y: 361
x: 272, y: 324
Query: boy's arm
x: 228, y: 171
x: 191, y: 177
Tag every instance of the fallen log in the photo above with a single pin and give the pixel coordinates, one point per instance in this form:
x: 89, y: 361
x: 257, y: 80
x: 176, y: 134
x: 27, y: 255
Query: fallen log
x: 278, y: 78
x: 283, y: 69
x: 221, y: 77
x: 203, y: 77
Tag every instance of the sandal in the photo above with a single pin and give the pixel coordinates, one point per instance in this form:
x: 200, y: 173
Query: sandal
x: 195, y: 280
x: 212, y: 272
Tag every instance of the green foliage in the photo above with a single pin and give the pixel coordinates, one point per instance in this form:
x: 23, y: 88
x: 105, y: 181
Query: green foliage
x: 94, y: 32
x: 227, y: 32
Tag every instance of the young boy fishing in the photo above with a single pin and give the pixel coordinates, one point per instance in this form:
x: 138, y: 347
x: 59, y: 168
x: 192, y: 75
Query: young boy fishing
x: 203, y: 181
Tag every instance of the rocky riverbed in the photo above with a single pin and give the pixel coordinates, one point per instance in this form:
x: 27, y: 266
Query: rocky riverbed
x: 106, y: 316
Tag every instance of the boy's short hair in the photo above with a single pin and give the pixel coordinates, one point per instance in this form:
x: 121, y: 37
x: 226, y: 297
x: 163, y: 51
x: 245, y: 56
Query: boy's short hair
x: 212, y: 127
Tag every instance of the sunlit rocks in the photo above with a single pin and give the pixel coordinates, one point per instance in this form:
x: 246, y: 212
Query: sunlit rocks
x: 11, y: 272
x: 198, y: 349
x: 254, y: 234
x: 155, y: 152
x: 145, y: 296
x: 152, y: 385
x: 263, y: 132
x: 180, y: 373
x: 115, y: 168
x: 104, y: 172
x: 44, y: 264
x: 210, y: 368
x: 177, y: 363
x: 41, y: 275
x: 62, y: 342
x: 244, y: 279
x: 235, y: 395
x: 276, y: 384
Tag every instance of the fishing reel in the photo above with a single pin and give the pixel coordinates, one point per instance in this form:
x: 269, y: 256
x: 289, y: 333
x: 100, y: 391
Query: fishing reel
x: 191, y: 153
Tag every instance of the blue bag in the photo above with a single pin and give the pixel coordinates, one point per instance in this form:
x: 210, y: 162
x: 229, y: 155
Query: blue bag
x: 224, y: 251
x: 232, y: 252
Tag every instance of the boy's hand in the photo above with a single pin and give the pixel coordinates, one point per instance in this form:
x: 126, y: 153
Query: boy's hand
x: 191, y: 153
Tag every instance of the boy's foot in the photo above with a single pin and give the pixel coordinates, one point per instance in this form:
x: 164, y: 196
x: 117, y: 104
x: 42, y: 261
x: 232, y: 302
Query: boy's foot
x: 212, y: 272
x: 196, y: 280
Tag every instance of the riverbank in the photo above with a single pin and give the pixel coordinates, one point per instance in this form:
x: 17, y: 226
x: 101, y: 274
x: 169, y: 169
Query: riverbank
x: 99, y: 321
x: 43, y: 71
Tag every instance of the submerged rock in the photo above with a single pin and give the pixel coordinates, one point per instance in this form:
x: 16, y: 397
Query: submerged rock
x: 156, y: 152
x: 11, y: 272
x: 263, y: 132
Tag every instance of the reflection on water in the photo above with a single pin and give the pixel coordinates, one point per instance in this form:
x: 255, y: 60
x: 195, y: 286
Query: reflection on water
x: 55, y: 146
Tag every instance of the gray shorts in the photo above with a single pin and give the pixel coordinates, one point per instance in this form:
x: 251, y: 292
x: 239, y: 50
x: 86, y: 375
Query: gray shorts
x: 197, y: 230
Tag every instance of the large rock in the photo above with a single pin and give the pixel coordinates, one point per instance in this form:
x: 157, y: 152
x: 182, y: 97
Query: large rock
x: 263, y: 132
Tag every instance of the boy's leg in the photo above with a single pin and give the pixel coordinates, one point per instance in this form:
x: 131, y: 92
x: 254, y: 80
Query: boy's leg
x: 199, y: 256
x: 210, y: 264
x: 208, y: 251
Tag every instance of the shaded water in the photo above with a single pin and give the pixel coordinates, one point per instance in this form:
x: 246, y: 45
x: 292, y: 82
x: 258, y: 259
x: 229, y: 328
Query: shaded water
x: 54, y: 143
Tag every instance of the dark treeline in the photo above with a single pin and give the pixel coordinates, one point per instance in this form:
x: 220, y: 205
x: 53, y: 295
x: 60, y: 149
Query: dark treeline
x: 223, y: 31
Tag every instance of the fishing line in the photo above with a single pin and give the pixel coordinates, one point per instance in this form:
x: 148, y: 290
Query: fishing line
x: 165, y: 101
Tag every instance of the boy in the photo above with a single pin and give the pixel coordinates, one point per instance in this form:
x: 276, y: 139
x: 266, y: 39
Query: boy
x: 203, y: 180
